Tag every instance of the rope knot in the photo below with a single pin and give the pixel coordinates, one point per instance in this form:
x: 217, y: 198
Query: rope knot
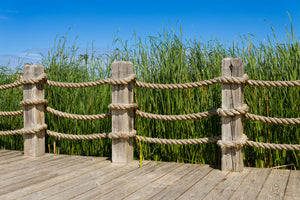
x: 233, y: 112
x: 117, y: 106
x: 123, y: 135
x: 233, y: 144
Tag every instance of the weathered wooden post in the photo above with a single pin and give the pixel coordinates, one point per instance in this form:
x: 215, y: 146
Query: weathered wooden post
x: 34, y: 115
x: 122, y: 120
x: 232, y: 127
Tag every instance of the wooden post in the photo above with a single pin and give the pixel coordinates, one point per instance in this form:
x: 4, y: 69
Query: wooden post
x: 34, y: 144
x: 122, y: 120
x: 232, y: 127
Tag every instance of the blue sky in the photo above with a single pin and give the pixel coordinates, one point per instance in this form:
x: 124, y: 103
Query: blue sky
x: 29, y: 27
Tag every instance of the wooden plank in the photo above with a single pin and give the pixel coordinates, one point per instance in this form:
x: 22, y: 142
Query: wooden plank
x: 105, y: 186
x: 29, y: 165
x: 226, y: 188
x: 205, y: 185
x: 252, y: 185
x: 232, y: 127
x: 48, y: 169
x: 63, y: 177
x: 175, y: 190
x: 93, y: 180
x: 157, y: 185
x: 275, y: 185
x: 293, y: 187
x: 139, y: 182
x: 34, y: 144
x: 8, y: 152
x: 122, y: 120
x: 10, y: 158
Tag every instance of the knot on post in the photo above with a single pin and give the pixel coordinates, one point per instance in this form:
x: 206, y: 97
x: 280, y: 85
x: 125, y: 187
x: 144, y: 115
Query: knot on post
x: 34, y: 80
x: 122, y: 135
x: 30, y: 102
x: 233, y: 144
x: 38, y: 129
x: 235, y: 80
x: 233, y: 112
x: 123, y: 81
x: 119, y: 106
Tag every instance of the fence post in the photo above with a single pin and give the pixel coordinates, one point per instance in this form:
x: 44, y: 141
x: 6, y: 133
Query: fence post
x: 232, y: 127
x: 34, y: 115
x: 122, y: 120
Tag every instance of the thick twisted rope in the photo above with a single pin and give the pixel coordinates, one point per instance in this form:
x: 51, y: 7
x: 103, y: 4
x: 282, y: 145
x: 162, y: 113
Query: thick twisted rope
x: 272, y: 120
x: 225, y: 80
x: 291, y: 147
x: 77, y: 117
x: 11, y: 113
x: 118, y: 106
x: 77, y: 137
x: 30, y: 102
x: 176, y: 117
x: 274, y: 83
x: 38, y: 129
x: 123, y: 135
x: 178, y: 142
x: 24, y: 82
x: 220, y: 111
x: 110, y: 81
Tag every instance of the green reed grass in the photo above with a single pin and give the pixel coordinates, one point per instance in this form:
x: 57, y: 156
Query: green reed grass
x: 166, y: 58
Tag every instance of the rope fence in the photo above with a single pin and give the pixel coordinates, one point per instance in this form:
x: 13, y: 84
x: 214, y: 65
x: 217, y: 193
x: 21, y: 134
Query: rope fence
x: 128, y: 82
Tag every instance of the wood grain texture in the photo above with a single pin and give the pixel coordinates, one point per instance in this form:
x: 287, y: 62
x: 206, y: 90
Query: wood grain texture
x: 122, y: 120
x: 293, y: 187
x: 34, y: 115
x: 275, y: 185
x: 251, y: 186
x: 232, y: 127
x: 77, y: 177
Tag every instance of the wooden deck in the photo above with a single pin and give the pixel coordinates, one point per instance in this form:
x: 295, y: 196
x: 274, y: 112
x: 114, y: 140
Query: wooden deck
x: 78, y: 177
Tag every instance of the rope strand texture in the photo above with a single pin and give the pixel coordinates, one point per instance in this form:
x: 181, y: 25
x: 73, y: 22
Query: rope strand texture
x: 30, y: 102
x: 24, y: 82
x: 117, y: 106
x: 176, y: 117
x: 77, y: 117
x: 225, y: 80
x: 273, y: 120
x: 295, y: 83
x: 38, y: 129
x: 178, y: 142
x: 11, y: 113
x: 291, y: 147
x: 110, y: 81
x: 77, y: 137
x: 233, y: 144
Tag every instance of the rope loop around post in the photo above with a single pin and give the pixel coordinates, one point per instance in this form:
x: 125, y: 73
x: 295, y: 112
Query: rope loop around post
x: 233, y: 112
x: 117, y: 106
x: 233, y: 144
x: 34, y: 80
x: 30, y: 102
x: 122, y: 135
x: 233, y: 80
x: 35, y: 130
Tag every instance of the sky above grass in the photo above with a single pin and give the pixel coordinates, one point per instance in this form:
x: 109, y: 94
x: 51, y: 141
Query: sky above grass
x: 29, y: 27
